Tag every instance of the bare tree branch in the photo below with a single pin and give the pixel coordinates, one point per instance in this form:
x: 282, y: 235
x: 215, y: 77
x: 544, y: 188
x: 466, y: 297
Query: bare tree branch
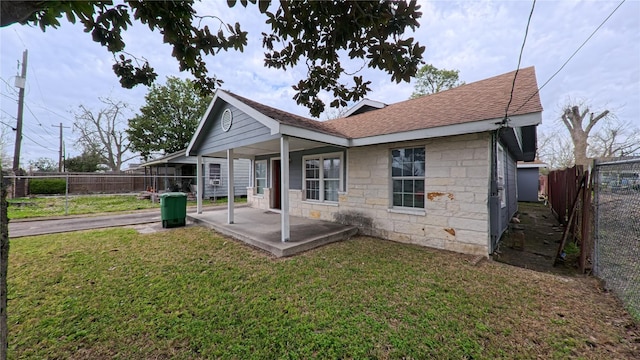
x: 104, y: 133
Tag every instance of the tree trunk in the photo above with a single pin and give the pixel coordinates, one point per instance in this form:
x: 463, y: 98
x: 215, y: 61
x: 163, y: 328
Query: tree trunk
x: 580, y: 149
x: 4, y: 268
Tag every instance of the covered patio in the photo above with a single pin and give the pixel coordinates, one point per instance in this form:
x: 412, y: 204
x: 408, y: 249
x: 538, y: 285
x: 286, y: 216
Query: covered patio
x: 261, y: 229
x: 234, y: 127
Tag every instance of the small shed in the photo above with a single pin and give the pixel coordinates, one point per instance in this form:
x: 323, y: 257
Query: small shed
x: 528, y: 176
x: 177, y: 172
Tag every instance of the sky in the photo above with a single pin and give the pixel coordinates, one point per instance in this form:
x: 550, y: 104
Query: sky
x: 481, y: 39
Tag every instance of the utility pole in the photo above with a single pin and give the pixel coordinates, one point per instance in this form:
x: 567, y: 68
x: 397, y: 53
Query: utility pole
x: 20, y: 83
x: 61, y: 152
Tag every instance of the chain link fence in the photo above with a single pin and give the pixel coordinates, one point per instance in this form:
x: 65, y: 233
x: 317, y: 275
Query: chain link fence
x: 617, y: 229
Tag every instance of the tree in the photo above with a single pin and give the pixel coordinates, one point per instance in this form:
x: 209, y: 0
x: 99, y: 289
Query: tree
x: 169, y: 118
x: 44, y: 164
x: 614, y: 139
x: 574, y: 120
x: 430, y: 80
x: 555, y: 149
x: 85, y: 162
x: 5, y: 160
x: 311, y: 33
x: 103, y: 133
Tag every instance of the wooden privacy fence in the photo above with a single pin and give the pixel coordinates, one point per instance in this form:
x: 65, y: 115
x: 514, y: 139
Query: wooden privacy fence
x: 99, y: 183
x: 570, y: 197
x: 563, y: 187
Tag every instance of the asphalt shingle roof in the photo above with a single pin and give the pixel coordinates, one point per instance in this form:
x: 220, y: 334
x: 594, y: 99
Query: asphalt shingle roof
x: 287, y: 118
x: 481, y: 100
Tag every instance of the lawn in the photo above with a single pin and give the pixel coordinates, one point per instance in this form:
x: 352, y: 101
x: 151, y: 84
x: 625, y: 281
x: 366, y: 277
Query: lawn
x: 47, y: 206
x: 188, y: 293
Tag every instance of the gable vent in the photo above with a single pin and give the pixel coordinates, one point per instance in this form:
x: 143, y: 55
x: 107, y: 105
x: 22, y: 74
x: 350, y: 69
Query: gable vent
x: 227, y: 119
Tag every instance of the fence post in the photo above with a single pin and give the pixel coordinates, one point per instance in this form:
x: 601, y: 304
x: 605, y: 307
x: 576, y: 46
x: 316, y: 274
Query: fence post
x: 586, y: 247
x: 66, y: 196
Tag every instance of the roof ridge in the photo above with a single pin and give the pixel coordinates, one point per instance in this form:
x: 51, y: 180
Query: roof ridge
x: 286, y: 117
x: 480, y: 100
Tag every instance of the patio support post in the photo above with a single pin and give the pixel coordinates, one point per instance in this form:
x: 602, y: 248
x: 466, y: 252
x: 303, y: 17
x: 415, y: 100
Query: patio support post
x: 200, y: 186
x: 230, y: 186
x: 284, y: 191
x: 166, y: 177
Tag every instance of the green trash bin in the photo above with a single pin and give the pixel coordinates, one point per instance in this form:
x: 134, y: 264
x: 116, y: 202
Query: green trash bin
x: 173, y: 209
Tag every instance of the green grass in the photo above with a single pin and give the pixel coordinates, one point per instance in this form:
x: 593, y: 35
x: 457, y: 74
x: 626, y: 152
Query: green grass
x: 24, y: 208
x: 188, y: 293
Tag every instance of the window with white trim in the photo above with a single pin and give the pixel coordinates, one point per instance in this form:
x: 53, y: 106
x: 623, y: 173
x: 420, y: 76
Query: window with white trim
x: 215, y: 175
x: 407, y: 177
x: 323, y: 177
x: 261, y: 176
x: 500, y: 163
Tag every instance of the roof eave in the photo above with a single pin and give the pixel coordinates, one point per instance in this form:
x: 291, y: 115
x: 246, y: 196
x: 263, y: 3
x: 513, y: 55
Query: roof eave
x: 313, y: 135
x: 165, y: 159
x: 363, y: 103
x: 530, y: 119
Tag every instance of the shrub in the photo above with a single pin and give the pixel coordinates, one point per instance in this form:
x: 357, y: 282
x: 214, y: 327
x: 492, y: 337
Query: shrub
x: 47, y: 186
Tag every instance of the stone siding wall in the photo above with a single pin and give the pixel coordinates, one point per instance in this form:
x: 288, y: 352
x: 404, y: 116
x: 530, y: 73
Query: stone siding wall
x: 456, y: 214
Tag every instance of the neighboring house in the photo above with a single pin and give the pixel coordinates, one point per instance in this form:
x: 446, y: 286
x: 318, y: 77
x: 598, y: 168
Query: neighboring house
x: 438, y: 171
x: 177, y: 172
x: 531, y: 184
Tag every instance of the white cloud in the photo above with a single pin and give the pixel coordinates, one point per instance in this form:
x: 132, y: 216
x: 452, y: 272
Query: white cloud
x: 481, y: 39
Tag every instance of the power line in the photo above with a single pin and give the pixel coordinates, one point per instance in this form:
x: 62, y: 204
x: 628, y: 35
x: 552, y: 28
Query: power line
x: 9, y: 86
x: 9, y: 97
x: 45, y: 140
x: 36, y: 143
x: 572, y: 55
x: 11, y: 116
x: 53, y: 112
x: 10, y: 126
x: 515, y: 76
x: 35, y: 117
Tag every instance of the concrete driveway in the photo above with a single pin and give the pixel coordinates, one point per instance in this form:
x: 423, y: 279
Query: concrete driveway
x: 144, y: 221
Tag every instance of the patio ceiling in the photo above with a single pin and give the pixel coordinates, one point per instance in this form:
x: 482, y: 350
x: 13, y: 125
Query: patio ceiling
x: 269, y: 147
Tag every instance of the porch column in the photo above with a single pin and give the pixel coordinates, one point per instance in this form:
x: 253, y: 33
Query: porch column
x: 284, y: 190
x: 230, y: 186
x: 166, y: 177
x: 200, y: 186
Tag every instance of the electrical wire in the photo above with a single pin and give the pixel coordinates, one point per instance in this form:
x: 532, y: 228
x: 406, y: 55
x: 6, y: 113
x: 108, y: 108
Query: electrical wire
x: 572, y: 55
x: 9, y: 86
x: 36, y: 143
x: 11, y: 116
x: 515, y: 76
x: 9, y: 97
x: 53, y: 112
x: 33, y: 131
x: 9, y: 126
x: 39, y: 123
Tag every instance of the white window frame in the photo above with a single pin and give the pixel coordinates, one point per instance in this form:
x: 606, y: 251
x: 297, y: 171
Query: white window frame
x: 322, y: 157
x: 256, y: 178
x: 413, y: 177
x: 501, y: 181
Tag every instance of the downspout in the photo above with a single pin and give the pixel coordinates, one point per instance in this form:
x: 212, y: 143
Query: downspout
x: 494, y: 199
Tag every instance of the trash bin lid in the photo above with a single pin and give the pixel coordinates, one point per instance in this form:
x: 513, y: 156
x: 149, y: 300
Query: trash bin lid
x: 173, y: 194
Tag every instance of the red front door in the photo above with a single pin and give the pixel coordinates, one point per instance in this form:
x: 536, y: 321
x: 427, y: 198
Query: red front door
x: 276, y: 185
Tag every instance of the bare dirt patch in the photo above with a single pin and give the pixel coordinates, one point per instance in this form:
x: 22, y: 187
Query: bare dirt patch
x: 538, y: 248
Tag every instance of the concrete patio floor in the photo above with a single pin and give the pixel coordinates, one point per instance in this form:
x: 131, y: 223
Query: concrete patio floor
x: 261, y: 229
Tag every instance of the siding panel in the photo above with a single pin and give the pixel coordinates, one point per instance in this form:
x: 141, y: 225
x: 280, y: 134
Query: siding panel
x: 244, y: 131
x: 241, y: 178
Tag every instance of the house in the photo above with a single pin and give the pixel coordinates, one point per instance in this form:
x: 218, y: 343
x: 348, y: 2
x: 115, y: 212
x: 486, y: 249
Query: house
x: 439, y: 170
x: 177, y: 172
x: 531, y: 183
